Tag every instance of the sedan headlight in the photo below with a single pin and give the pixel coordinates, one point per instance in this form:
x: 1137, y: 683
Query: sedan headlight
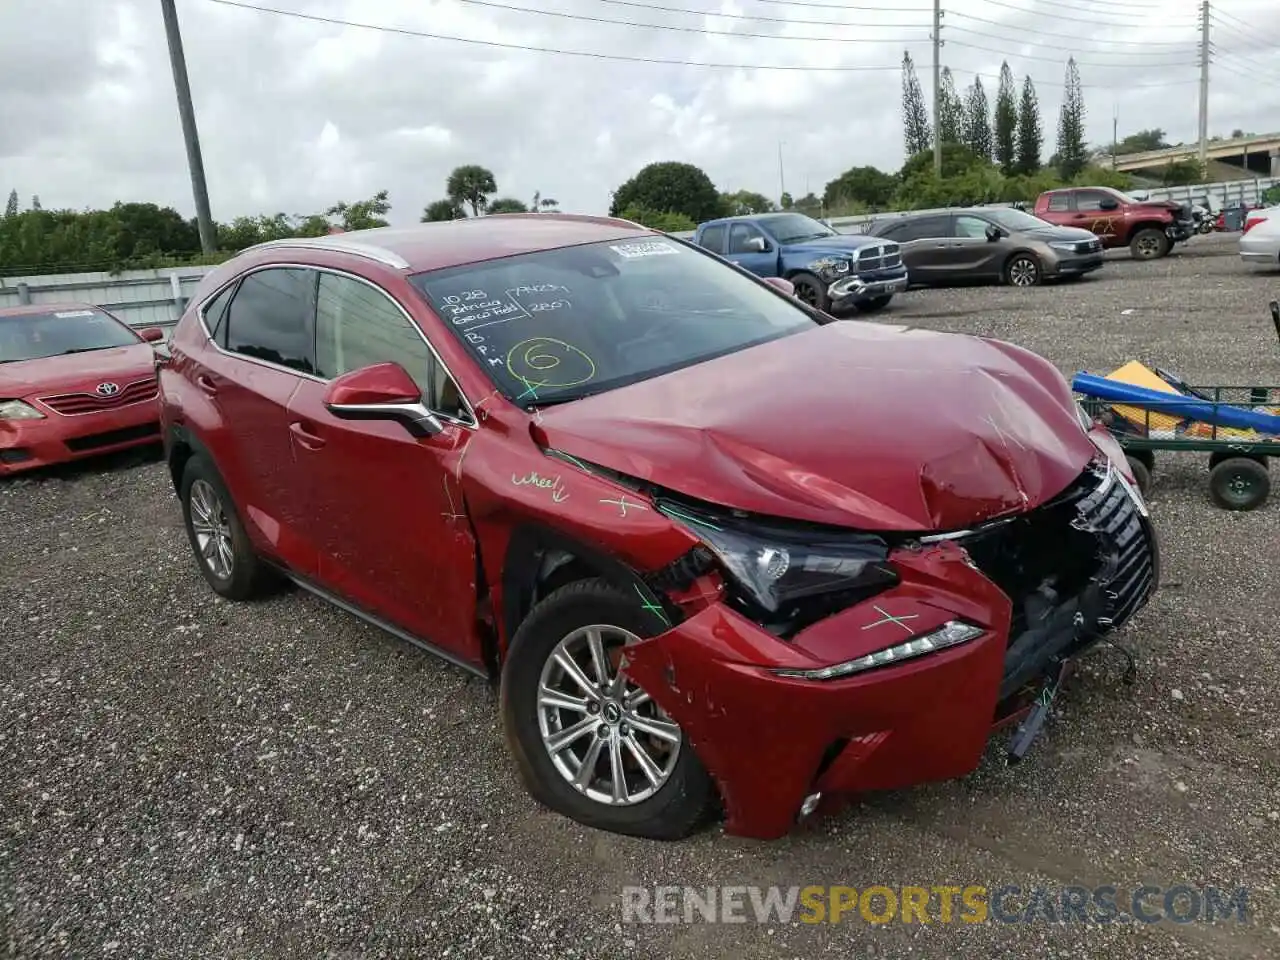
x: 950, y: 634
x: 788, y: 576
x: 18, y: 410
x: 1064, y: 245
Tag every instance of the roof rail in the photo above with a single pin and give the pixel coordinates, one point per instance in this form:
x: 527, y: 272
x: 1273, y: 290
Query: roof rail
x: 339, y: 244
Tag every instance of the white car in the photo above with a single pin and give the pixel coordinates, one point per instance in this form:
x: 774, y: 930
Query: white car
x: 1260, y: 242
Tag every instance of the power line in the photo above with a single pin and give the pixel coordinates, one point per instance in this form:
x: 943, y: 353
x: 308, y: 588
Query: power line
x: 1135, y: 19
x: 1217, y: 13
x: 1083, y: 63
x: 421, y: 34
x: 404, y: 31
x: 1007, y: 25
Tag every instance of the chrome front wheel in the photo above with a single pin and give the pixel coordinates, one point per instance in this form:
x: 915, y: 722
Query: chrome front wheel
x: 604, y: 735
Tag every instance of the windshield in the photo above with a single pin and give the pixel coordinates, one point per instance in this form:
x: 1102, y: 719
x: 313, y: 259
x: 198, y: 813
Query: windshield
x: 1016, y: 220
x: 34, y: 336
x: 559, y: 324
x: 794, y: 227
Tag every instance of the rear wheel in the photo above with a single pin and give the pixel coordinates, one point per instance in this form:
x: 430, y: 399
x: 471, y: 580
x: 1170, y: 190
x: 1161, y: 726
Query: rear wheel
x: 588, y: 742
x: 1239, y: 483
x: 1022, y: 270
x: 1149, y: 244
x: 222, y: 549
x: 811, y: 290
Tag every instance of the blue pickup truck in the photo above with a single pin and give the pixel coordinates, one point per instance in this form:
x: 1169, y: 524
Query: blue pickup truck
x: 829, y: 270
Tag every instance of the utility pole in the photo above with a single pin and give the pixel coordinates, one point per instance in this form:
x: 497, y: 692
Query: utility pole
x: 937, y: 88
x: 1204, y: 88
x: 186, y: 111
x: 782, y: 183
x: 1115, y: 133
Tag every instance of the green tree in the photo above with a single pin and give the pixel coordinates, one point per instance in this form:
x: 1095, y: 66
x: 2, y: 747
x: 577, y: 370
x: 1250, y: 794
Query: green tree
x: 1030, y: 133
x: 977, y: 121
x: 1006, y: 122
x: 673, y: 187
x: 35, y: 203
x: 541, y: 203
x: 363, y: 214
x: 915, y: 117
x: 1181, y: 173
x: 664, y: 220
x: 1141, y: 142
x: 1072, y: 152
x: 950, y: 110
x: 957, y: 159
x: 746, y: 202
x: 863, y: 185
x: 507, y: 205
x: 446, y: 209
x: 11, y: 208
x: 471, y: 184
x: 785, y: 201
x: 809, y: 204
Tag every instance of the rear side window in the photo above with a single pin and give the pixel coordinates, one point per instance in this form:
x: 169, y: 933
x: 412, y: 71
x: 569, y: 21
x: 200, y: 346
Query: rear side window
x: 1059, y: 202
x: 713, y: 238
x: 925, y: 228
x: 270, y: 317
x: 214, y: 313
x: 358, y: 325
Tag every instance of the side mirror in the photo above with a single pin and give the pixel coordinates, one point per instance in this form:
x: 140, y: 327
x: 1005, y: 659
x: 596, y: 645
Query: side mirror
x: 1109, y: 203
x: 151, y: 334
x: 383, y: 391
x: 993, y: 233
x: 786, y: 286
x: 757, y: 245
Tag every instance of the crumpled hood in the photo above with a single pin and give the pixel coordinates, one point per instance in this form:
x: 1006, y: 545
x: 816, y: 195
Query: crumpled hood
x: 854, y: 424
x: 845, y: 243
x: 76, y: 372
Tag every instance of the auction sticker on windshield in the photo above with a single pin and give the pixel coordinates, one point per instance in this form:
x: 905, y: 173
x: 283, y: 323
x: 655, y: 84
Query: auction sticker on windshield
x: 643, y: 248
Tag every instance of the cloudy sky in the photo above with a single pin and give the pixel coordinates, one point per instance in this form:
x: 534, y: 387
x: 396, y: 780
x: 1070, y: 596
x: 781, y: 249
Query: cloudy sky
x: 295, y: 114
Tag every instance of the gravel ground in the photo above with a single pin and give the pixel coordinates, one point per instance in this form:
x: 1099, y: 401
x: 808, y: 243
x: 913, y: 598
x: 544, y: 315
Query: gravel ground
x: 184, y: 777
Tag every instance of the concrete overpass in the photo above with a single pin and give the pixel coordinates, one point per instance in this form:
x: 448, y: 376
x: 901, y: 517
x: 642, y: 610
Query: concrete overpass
x: 1259, y: 156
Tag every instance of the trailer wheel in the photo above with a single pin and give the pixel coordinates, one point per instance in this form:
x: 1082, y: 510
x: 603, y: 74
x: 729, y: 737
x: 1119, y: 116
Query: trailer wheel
x: 1141, y: 474
x: 1145, y: 457
x: 1239, y: 483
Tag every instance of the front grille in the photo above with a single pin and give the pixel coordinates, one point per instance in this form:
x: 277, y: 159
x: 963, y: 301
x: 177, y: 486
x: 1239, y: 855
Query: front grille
x: 1089, y: 246
x: 110, y: 438
x: 1087, y: 548
x: 72, y: 404
x: 878, y: 258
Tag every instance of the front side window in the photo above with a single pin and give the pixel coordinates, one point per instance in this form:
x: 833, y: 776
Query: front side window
x: 740, y: 235
x: 1088, y: 201
x: 559, y: 324
x: 34, y: 336
x: 974, y: 228
x: 358, y: 325
x: 269, y: 318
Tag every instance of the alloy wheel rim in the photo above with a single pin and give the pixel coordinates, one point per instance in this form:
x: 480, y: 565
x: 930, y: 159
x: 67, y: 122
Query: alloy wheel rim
x: 807, y: 294
x: 1148, y: 246
x: 603, y: 734
x: 1023, y: 273
x: 212, y: 530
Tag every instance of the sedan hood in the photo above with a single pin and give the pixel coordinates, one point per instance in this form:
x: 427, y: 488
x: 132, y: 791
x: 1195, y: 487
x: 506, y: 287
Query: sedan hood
x: 76, y: 372
x: 852, y: 424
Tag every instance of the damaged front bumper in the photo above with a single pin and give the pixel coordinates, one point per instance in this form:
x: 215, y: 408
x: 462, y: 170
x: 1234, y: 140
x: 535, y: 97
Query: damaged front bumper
x: 853, y: 290
x: 774, y: 738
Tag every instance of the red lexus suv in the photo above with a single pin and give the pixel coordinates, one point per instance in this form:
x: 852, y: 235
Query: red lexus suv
x: 721, y: 551
x: 75, y: 381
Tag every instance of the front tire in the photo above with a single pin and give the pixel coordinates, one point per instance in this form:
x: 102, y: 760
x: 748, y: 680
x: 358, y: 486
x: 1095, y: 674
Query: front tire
x: 222, y: 549
x: 1150, y: 244
x: 811, y: 290
x: 1022, y: 270
x: 588, y: 742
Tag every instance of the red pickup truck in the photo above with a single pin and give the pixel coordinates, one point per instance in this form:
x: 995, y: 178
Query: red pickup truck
x: 1149, y: 228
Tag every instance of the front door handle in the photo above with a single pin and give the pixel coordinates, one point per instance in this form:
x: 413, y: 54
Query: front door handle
x: 206, y: 385
x: 305, y: 437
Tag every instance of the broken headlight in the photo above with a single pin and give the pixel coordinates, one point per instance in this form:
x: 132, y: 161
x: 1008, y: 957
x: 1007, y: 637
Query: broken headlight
x: 829, y: 268
x: 1083, y: 415
x: 786, y: 578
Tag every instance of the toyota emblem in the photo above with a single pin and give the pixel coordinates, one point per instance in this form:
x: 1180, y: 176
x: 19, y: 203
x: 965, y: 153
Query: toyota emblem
x: 107, y: 389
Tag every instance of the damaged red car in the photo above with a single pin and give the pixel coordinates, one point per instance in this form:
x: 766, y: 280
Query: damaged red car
x: 721, y: 551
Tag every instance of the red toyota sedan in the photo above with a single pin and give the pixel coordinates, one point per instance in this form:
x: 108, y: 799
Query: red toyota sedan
x: 718, y: 549
x: 74, y: 382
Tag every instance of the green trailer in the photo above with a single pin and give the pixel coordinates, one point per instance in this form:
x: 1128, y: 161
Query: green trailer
x: 1239, y: 478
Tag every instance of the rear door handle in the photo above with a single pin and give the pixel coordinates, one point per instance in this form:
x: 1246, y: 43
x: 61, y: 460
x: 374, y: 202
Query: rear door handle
x: 305, y: 437
x: 205, y: 384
